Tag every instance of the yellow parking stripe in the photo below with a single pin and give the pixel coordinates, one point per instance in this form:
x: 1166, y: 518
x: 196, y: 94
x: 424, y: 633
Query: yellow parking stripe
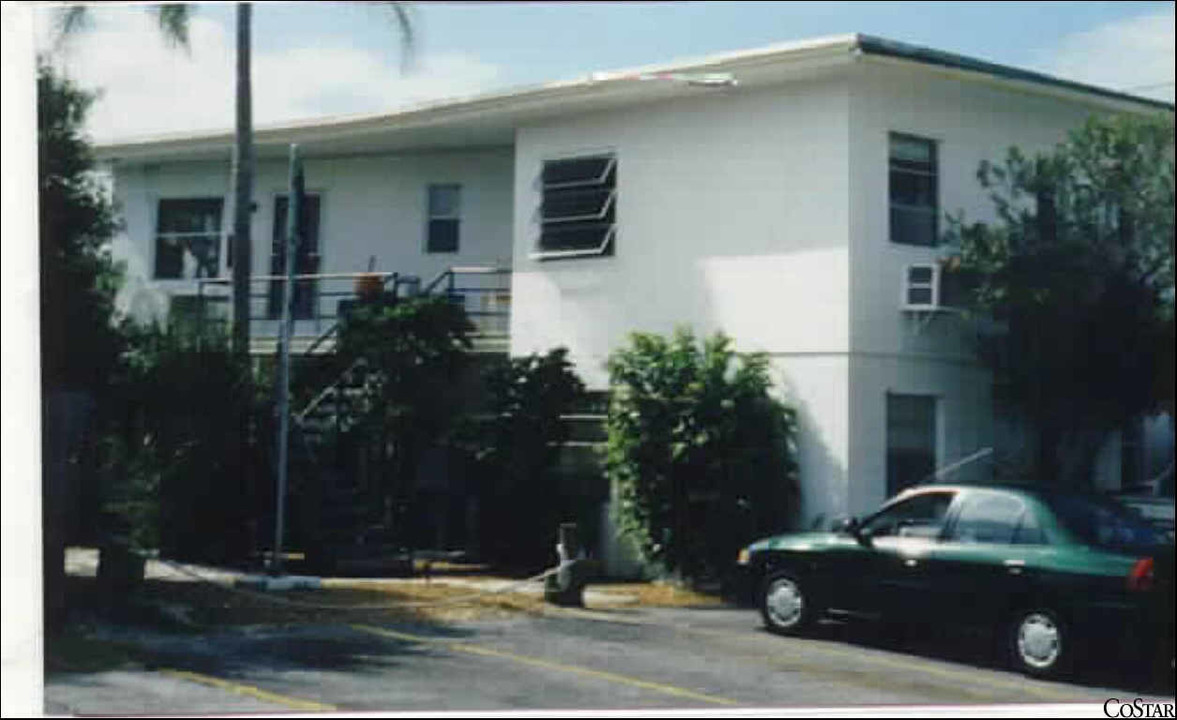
x: 249, y: 690
x: 1028, y: 686
x: 537, y: 662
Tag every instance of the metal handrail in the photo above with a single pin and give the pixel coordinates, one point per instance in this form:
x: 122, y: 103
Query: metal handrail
x: 334, y: 329
x: 453, y: 270
x: 310, y: 276
x: 326, y: 391
x: 449, y: 272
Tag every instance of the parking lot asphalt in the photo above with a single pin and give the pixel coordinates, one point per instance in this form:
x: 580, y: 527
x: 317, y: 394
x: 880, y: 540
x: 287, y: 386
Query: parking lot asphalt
x: 623, y: 658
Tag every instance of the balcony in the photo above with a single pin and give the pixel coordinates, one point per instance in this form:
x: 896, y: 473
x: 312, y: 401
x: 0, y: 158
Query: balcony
x: 321, y: 300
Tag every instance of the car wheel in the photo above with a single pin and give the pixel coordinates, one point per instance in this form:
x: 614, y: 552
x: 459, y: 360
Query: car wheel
x: 1040, y: 644
x: 786, y: 605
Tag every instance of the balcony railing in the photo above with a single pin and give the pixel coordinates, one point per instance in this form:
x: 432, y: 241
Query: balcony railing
x: 320, y: 300
x: 483, y: 291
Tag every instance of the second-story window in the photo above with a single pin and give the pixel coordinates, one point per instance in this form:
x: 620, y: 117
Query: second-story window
x: 188, y: 239
x: 445, y: 216
x: 578, y: 215
x: 913, y: 190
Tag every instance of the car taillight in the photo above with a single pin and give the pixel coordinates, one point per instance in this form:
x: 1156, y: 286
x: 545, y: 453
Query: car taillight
x: 1141, y: 577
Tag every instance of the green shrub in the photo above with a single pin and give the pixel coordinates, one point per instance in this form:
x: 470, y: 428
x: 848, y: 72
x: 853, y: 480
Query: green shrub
x: 174, y: 469
x: 702, y: 455
x: 409, y: 359
x: 519, y: 446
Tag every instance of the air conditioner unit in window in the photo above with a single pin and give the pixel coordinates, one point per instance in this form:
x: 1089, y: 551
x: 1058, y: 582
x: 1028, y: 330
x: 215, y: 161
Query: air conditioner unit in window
x: 921, y: 287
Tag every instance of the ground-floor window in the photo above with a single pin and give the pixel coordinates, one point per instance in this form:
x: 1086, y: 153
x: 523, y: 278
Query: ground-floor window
x: 911, y: 440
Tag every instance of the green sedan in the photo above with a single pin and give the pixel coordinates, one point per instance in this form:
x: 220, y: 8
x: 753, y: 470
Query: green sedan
x: 1051, y: 572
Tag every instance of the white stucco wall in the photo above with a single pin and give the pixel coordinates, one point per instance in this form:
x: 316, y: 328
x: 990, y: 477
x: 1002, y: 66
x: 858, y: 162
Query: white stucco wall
x: 732, y: 216
x: 370, y: 206
x: 894, y: 351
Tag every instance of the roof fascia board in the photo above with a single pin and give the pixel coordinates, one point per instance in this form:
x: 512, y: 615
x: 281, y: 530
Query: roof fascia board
x: 516, y: 105
x: 881, y: 50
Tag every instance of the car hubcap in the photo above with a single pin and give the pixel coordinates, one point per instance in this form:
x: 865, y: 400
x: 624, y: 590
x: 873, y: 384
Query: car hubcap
x: 1038, y: 641
x: 785, y: 602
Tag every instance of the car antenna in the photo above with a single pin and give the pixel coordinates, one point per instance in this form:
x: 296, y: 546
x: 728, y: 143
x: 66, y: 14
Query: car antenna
x: 984, y: 452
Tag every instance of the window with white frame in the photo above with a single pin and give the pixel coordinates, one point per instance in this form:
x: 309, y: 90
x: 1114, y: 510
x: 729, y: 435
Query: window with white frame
x: 188, y: 238
x: 913, y: 190
x: 578, y: 211
x: 445, y: 215
x: 911, y: 440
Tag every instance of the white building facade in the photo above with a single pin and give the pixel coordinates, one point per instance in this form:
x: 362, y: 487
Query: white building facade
x: 786, y: 210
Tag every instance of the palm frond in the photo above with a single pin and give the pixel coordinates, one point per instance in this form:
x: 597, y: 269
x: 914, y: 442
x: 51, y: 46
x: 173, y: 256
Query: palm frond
x: 408, y: 35
x: 172, y: 19
x: 173, y: 23
x: 69, y: 22
x: 401, y: 14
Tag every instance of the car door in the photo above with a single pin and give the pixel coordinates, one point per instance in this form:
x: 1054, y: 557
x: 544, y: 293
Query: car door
x: 985, y: 558
x: 900, y: 539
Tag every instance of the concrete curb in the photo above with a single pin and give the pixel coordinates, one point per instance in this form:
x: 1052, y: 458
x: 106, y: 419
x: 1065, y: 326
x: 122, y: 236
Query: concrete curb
x: 278, y: 584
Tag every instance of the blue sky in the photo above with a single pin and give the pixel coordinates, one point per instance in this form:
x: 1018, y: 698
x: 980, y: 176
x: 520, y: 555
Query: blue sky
x: 317, y: 59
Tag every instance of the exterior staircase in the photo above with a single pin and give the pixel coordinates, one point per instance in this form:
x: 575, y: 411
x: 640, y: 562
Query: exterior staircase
x: 345, y: 526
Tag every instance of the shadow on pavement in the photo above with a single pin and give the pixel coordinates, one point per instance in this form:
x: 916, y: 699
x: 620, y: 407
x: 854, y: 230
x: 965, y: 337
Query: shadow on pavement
x: 201, y: 628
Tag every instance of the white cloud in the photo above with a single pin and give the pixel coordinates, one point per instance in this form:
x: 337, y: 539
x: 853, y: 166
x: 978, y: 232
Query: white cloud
x: 1122, y: 55
x: 148, y: 87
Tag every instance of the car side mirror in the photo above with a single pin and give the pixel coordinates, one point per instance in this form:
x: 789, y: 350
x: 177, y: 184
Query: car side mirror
x: 864, y: 536
x: 846, y: 525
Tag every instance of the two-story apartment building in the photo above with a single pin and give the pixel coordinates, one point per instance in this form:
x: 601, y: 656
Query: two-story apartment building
x: 791, y: 197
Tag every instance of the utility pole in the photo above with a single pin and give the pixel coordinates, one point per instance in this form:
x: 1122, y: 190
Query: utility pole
x: 243, y: 186
x: 294, y: 230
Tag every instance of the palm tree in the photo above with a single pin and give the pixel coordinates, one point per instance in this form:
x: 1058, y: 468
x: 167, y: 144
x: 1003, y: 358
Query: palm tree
x: 243, y: 172
x: 173, y: 23
x: 172, y: 20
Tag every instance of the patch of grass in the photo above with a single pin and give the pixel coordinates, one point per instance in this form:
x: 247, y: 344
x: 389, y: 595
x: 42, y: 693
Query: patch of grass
x: 420, y: 602
x: 655, y: 594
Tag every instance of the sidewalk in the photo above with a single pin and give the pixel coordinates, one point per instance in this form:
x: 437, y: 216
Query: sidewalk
x: 489, y: 585
x: 83, y: 562
x: 223, y: 595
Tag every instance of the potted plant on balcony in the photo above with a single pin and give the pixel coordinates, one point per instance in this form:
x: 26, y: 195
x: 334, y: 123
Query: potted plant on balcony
x: 369, y: 286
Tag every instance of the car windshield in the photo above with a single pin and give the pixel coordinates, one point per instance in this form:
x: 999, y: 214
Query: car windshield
x: 1105, y: 523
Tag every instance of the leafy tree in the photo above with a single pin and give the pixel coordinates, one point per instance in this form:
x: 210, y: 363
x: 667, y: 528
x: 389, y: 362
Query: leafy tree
x: 703, y: 455
x: 80, y: 342
x: 409, y: 357
x: 520, y: 446
x: 1077, y: 274
x: 243, y: 171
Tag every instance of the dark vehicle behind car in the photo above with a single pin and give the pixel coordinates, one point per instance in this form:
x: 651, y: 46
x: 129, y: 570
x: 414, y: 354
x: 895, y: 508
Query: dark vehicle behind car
x: 1054, y: 574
